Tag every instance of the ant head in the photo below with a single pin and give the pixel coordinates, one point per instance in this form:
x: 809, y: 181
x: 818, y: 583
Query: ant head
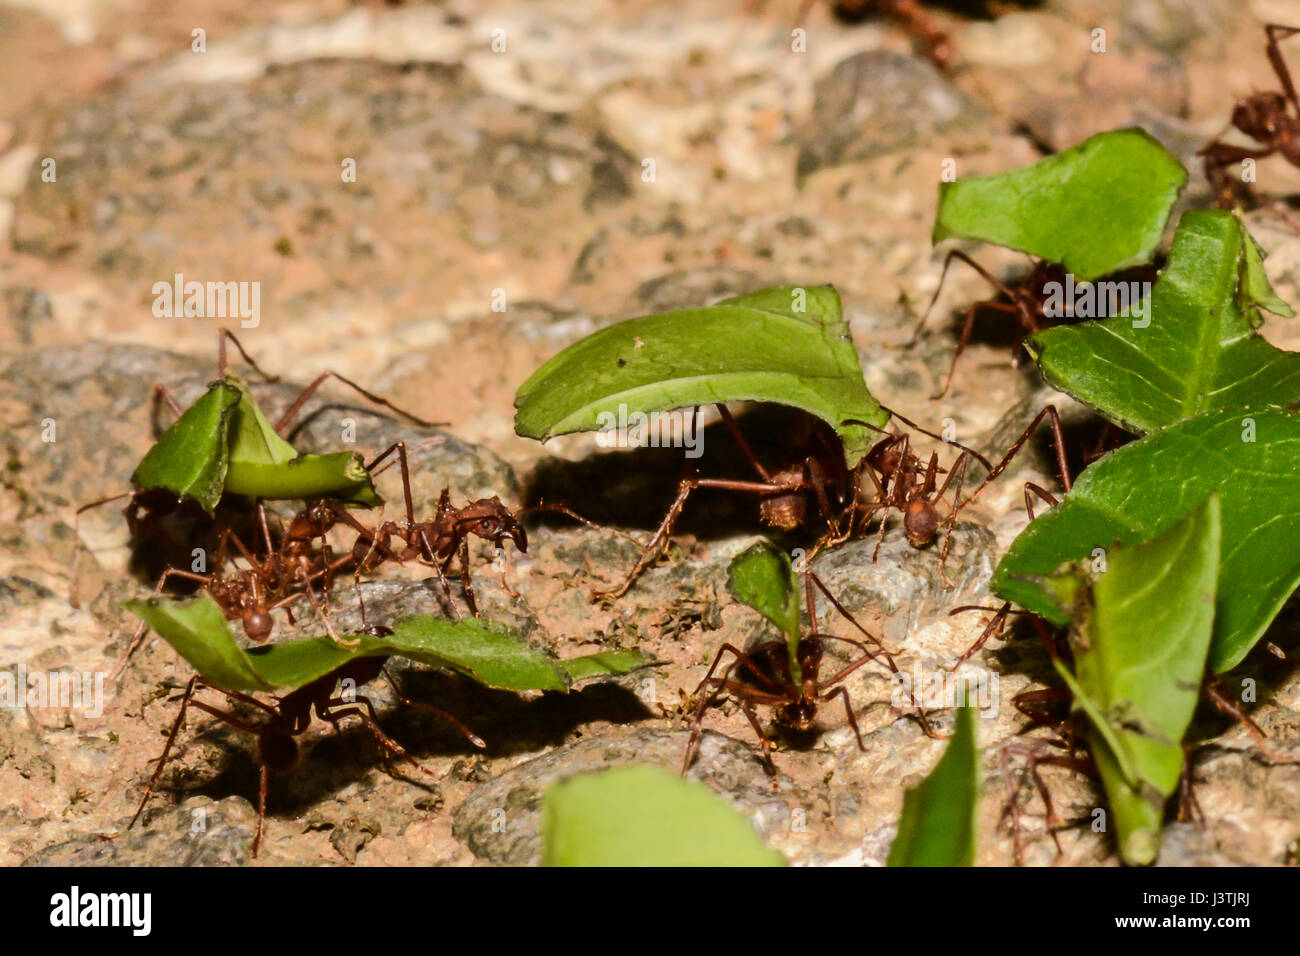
x: 279, y: 751
x: 258, y: 624
x: 885, y: 455
x: 786, y: 511
x: 1260, y: 116
x: 313, y: 521
x: 491, y: 520
x: 920, y: 522
x: 799, y: 716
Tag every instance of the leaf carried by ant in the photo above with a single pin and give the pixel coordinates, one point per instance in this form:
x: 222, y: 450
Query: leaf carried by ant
x: 1095, y: 208
x: 1140, y: 637
x: 224, y: 443
x: 789, y: 345
x: 1193, y: 348
x: 937, y: 826
x: 645, y: 816
x: 1250, y: 456
x: 486, y: 652
x: 763, y: 577
x: 190, y: 458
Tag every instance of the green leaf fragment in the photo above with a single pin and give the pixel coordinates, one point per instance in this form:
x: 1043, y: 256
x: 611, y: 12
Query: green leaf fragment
x: 1095, y: 208
x: 763, y: 577
x: 1195, y: 349
x: 488, y: 653
x: 789, y: 345
x: 645, y: 816
x: 1250, y: 456
x: 1140, y: 638
x: 190, y: 458
x: 937, y: 826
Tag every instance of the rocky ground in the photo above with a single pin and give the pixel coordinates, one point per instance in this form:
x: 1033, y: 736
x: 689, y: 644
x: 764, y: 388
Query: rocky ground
x: 516, y: 177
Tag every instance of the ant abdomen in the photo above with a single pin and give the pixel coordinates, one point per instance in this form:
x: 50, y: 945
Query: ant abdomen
x: 920, y: 522
x: 258, y: 624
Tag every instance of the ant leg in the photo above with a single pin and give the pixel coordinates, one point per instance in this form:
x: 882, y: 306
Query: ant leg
x: 569, y: 512
x: 1033, y: 489
x: 1189, y: 808
x: 1277, y: 33
x: 292, y: 412
x: 994, y: 626
x: 76, y: 537
x: 400, y: 448
x: 1225, y: 703
x: 468, y: 734
x: 161, y: 394
x: 848, y: 709
x: 463, y: 554
x: 748, y: 709
x: 697, y: 725
x: 651, y: 552
x: 748, y: 452
x: 943, y: 276
x: 1058, y: 437
x: 263, y: 785
x: 167, y: 749
x: 222, y: 336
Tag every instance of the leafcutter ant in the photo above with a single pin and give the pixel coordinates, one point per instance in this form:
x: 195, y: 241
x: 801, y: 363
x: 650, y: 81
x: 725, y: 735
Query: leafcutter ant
x: 438, y: 541
x: 764, y: 676
x: 1271, y: 119
x: 224, y: 444
x: 290, y: 716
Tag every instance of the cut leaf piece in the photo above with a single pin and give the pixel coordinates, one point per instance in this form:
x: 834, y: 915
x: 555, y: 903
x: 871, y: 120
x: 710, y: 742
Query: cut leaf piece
x: 488, y: 653
x: 789, y: 345
x: 1256, y: 288
x: 763, y: 577
x: 1095, y: 208
x: 1196, y: 349
x: 190, y: 457
x: 1251, y: 457
x: 937, y: 827
x: 645, y: 816
x: 1140, y: 637
x: 224, y: 443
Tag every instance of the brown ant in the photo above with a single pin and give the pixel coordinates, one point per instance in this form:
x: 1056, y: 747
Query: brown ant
x: 815, y: 467
x: 291, y: 715
x: 910, y: 15
x: 436, y: 542
x: 1271, y: 119
x: 146, y: 508
x: 276, y: 580
x: 764, y: 676
x: 1026, y: 301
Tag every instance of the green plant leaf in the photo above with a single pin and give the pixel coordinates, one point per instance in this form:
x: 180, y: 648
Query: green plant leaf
x: 488, y: 653
x: 1140, y: 637
x: 789, y: 345
x: 937, y: 827
x: 1250, y: 456
x: 763, y: 577
x: 190, y: 458
x: 645, y: 816
x: 224, y: 443
x: 198, y: 631
x: 1196, y: 349
x: 1256, y: 288
x: 1095, y: 208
